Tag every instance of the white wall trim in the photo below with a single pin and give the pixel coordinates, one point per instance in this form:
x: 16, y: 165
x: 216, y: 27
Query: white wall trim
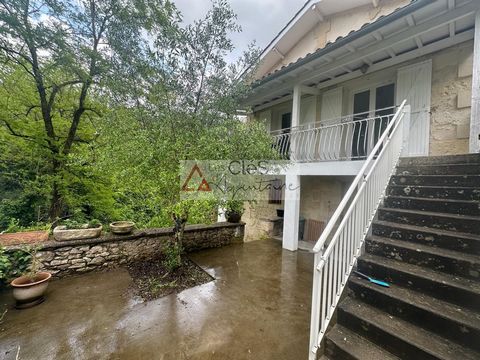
x: 474, y: 144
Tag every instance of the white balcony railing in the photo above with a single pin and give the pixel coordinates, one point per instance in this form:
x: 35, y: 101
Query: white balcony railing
x: 350, y: 137
x: 341, y: 242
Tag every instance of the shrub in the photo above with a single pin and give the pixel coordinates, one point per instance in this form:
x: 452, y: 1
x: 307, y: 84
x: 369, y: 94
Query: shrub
x: 81, y: 224
x: 15, y: 226
x: 173, y: 258
x: 234, y: 206
x: 13, y: 264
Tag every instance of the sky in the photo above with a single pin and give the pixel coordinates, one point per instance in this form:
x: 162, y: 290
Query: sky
x: 261, y: 20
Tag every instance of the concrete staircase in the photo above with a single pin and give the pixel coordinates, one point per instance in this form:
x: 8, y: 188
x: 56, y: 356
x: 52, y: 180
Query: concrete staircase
x: 426, y: 243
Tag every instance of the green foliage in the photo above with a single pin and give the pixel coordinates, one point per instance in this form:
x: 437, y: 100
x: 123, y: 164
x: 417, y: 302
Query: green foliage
x: 13, y: 264
x: 156, y: 286
x: 234, y: 206
x: 14, y: 226
x: 82, y: 224
x: 103, y: 133
x: 172, y: 260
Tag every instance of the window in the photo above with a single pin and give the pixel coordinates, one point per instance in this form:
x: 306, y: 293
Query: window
x: 275, y: 194
x: 375, y: 101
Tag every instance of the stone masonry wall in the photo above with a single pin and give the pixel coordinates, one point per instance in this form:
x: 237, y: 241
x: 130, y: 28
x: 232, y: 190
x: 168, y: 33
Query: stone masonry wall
x: 451, y: 100
x: 79, y: 256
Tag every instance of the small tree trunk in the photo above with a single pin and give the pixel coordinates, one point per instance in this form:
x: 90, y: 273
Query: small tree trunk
x: 178, y: 232
x: 55, y: 210
x: 55, y: 203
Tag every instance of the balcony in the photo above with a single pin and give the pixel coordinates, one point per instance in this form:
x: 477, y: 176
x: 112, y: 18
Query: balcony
x: 350, y: 137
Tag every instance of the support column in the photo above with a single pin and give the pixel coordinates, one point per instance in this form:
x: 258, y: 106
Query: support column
x: 475, y: 114
x: 291, y: 216
x: 297, y: 99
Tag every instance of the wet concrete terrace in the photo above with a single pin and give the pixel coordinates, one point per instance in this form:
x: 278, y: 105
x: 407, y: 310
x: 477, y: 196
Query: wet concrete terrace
x: 257, y: 308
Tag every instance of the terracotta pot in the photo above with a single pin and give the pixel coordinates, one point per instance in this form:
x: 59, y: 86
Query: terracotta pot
x: 233, y: 216
x: 61, y: 233
x: 27, y: 293
x: 122, y: 227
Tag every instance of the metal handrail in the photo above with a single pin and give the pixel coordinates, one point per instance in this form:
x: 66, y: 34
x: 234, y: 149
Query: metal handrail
x: 332, y: 121
x: 345, y: 140
x: 345, y: 233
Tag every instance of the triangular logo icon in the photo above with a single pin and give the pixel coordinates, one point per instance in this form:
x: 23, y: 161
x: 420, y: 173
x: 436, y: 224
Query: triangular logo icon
x: 204, y: 186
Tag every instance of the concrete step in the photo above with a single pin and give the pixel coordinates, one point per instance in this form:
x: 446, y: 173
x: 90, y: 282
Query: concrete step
x: 454, y: 289
x: 342, y: 343
x: 435, y: 192
x: 451, y: 240
x: 463, y: 207
x: 443, y: 169
x: 436, y: 180
x: 442, y: 221
x: 459, y: 324
x: 398, y: 336
x: 437, y: 160
x: 448, y: 261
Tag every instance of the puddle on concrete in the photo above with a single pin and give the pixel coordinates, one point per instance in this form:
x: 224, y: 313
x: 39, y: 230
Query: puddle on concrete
x: 257, y: 308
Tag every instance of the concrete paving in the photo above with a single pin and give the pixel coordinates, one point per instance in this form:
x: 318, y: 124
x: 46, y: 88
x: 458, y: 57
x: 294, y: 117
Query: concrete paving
x: 257, y: 308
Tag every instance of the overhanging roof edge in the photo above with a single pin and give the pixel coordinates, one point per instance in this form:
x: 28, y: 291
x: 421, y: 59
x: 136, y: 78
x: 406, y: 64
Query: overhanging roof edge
x: 369, y: 28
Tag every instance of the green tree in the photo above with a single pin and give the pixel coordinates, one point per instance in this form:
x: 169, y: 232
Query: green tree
x: 67, y: 53
x: 188, y: 111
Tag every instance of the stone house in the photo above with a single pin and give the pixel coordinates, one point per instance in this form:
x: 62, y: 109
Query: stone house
x: 335, y: 71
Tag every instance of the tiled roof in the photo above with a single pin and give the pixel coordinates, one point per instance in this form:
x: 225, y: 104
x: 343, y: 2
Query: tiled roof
x: 306, y: 58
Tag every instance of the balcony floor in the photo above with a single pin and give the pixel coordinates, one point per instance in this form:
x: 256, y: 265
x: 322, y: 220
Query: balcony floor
x: 257, y: 308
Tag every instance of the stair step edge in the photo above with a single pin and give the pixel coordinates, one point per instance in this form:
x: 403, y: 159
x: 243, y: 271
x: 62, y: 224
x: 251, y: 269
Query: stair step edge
x: 441, y: 187
x: 455, y: 234
x: 452, y: 254
x: 356, y: 345
x: 423, y: 272
x: 412, y: 334
x: 431, y: 213
x: 429, y: 304
x: 418, y: 198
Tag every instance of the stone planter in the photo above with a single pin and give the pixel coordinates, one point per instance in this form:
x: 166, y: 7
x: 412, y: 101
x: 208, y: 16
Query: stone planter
x: 28, y: 293
x: 61, y: 233
x: 122, y: 227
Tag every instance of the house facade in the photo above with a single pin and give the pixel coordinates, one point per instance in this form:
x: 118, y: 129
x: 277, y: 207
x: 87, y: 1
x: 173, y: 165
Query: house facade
x: 329, y: 83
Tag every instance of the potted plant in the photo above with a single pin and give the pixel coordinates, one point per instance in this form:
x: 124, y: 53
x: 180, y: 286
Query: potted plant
x: 75, y: 230
x: 233, y: 210
x: 29, y: 289
x: 122, y: 227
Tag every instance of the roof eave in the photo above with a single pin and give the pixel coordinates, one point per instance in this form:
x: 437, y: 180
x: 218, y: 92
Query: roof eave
x: 367, y: 29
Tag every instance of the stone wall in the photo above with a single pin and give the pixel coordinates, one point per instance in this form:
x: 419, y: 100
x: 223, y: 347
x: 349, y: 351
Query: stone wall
x: 319, y: 198
x: 451, y: 100
x: 258, y: 219
x: 78, y: 256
